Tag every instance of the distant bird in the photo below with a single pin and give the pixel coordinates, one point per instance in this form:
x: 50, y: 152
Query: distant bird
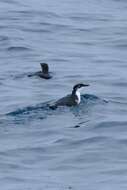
x: 44, y: 73
x: 71, y: 99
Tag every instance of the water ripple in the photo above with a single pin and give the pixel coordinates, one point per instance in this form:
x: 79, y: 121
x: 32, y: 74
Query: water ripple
x: 18, y: 48
x: 66, y: 148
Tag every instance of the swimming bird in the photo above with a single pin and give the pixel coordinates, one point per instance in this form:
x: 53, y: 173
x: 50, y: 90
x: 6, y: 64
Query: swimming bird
x: 44, y: 73
x: 71, y: 99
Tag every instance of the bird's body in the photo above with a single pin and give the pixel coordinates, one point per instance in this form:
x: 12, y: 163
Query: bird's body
x: 68, y: 100
x: 44, y: 73
x: 72, y: 99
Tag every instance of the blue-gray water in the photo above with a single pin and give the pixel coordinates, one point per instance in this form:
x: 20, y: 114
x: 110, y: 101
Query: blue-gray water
x: 69, y: 148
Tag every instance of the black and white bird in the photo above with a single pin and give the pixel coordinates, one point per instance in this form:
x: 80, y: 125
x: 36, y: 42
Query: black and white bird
x: 44, y: 73
x: 72, y: 99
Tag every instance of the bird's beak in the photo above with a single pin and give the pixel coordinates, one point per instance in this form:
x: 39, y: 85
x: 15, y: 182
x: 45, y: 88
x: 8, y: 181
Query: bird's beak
x: 85, y: 85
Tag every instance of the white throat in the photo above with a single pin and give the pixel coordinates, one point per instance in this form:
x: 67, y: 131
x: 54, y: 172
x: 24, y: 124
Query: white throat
x: 78, y: 95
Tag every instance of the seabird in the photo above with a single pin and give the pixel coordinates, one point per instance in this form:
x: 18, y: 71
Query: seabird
x: 44, y: 73
x: 71, y: 99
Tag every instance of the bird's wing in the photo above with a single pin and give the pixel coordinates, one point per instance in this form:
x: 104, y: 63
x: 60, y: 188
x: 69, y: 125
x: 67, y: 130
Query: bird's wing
x: 65, y: 101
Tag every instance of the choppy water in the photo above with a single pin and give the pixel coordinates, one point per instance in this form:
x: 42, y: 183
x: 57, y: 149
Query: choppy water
x: 69, y: 148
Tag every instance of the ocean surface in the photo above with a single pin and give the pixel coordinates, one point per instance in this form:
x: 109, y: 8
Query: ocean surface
x: 77, y: 148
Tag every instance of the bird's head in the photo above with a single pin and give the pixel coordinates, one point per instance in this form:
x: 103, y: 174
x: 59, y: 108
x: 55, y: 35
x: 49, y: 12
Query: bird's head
x: 78, y: 86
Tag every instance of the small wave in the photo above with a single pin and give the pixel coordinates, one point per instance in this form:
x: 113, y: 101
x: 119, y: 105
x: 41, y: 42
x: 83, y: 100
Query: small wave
x: 92, y: 97
x: 31, y: 13
x: 36, y: 30
x: 121, y: 46
x: 119, y: 83
x: 57, y: 59
x: 111, y: 124
x: 123, y: 141
x: 90, y: 140
x: 18, y: 48
x: 89, y: 17
x: 11, y: 2
x: 4, y: 38
x: 28, y: 109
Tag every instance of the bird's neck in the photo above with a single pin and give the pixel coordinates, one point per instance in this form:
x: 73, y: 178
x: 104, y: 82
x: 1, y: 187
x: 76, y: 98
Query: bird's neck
x: 77, y: 93
x: 78, y: 96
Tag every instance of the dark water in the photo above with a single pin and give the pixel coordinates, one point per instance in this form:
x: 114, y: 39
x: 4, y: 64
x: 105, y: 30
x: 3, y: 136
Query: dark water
x: 69, y: 148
